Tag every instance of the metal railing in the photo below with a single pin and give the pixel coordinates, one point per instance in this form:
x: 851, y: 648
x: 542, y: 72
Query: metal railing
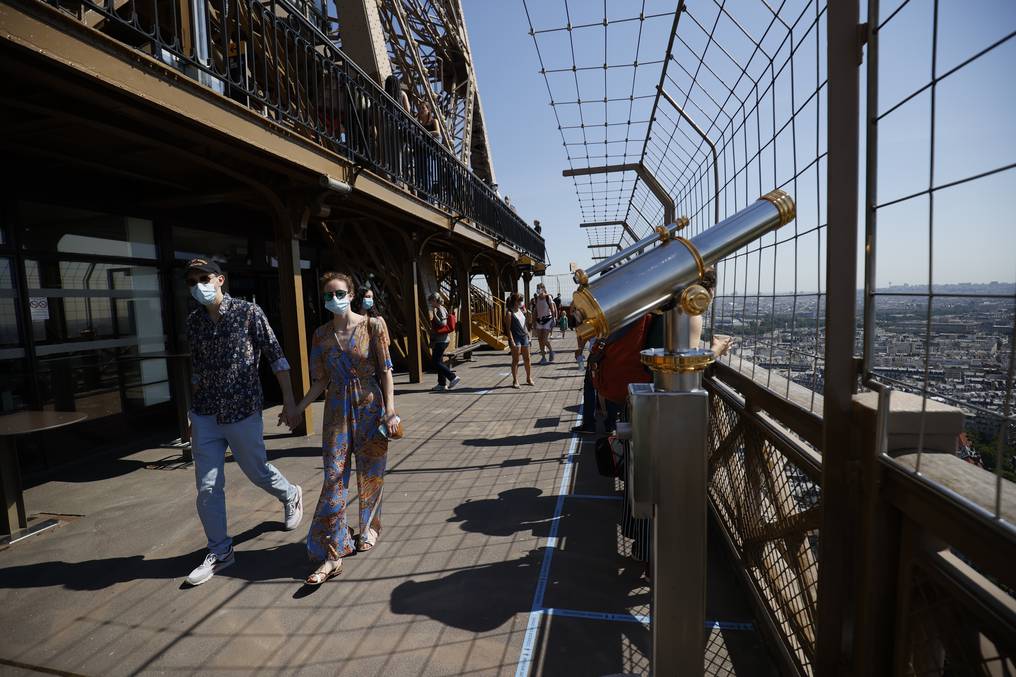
x: 270, y: 57
x: 487, y: 310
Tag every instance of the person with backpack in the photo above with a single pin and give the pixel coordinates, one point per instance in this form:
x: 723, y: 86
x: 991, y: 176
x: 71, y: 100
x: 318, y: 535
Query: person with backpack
x: 518, y: 338
x: 442, y: 325
x: 544, y: 319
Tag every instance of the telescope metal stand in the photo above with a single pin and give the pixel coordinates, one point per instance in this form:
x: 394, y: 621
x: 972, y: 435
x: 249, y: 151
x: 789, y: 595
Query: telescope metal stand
x: 667, y: 476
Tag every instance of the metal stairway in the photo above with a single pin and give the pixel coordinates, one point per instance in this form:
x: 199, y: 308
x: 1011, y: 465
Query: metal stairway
x: 487, y: 315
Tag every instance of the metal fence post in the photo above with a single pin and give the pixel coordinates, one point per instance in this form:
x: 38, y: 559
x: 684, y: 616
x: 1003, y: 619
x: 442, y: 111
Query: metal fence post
x: 841, y: 496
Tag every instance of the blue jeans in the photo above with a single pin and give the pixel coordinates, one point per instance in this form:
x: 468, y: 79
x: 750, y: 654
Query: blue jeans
x: 588, y: 401
x: 209, y: 440
x: 437, y: 354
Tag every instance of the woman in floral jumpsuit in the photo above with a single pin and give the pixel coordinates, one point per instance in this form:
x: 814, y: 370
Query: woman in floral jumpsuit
x: 350, y: 359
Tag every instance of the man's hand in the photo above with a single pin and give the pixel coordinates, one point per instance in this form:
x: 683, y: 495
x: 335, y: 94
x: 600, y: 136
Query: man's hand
x: 290, y: 416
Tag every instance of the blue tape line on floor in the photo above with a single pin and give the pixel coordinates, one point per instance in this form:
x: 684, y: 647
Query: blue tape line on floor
x: 639, y: 618
x: 537, y: 611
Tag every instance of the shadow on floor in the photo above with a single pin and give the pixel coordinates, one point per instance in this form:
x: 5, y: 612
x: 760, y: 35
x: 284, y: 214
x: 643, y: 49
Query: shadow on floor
x: 512, y: 440
x: 507, y: 463
x: 479, y: 600
x: 288, y: 561
x: 512, y: 512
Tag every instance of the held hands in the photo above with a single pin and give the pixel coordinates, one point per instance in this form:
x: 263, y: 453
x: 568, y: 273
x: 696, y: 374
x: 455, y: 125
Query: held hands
x: 291, y: 415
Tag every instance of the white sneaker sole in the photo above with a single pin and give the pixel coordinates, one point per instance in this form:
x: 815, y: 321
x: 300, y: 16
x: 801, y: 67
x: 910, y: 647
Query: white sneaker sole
x: 299, y: 510
x: 219, y: 567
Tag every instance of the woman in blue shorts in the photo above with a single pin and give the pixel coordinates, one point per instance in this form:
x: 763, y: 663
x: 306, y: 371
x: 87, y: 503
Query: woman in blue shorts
x: 518, y: 338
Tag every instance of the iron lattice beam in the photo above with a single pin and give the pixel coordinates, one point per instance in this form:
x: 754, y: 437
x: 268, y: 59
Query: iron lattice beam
x: 429, y: 50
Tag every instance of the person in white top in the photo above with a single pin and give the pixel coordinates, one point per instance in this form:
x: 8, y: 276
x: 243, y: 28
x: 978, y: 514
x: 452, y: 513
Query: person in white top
x: 544, y: 319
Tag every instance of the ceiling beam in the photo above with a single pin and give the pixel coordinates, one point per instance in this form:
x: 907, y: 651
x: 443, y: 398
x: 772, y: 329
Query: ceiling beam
x: 669, y: 209
x: 603, y: 224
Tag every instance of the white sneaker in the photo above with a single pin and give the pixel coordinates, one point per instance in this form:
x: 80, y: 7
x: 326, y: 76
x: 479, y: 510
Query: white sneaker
x: 211, y: 566
x: 294, y: 510
x: 454, y: 382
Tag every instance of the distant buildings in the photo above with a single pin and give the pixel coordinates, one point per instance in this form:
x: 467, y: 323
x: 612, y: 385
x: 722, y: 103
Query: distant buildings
x: 965, y: 362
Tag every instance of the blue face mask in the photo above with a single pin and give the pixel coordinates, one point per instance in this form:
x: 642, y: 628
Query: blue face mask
x: 368, y: 303
x: 337, y: 306
x: 203, y: 293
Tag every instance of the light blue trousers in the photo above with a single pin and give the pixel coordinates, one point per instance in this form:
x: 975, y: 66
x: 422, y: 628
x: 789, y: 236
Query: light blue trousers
x: 209, y: 440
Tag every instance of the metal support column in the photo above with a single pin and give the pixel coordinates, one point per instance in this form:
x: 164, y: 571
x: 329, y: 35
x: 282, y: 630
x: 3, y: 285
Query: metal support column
x: 465, y: 320
x: 841, y: 461
x: 363, y: 37
x: 411, y: 301
x: 294, y: 326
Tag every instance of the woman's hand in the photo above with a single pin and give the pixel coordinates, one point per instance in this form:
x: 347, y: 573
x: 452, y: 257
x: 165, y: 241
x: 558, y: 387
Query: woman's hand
x: 390, y: 419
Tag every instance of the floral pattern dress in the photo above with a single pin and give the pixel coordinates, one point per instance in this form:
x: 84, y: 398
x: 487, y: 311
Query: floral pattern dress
x: 354, y: 409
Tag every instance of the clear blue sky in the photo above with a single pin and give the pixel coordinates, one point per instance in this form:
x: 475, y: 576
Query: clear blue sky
x: 974, y: 224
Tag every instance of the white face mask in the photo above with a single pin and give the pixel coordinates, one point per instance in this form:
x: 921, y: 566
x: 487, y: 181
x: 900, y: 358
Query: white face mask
x: 368, y: 303
x: 204, y: 293
x: 338, y: 306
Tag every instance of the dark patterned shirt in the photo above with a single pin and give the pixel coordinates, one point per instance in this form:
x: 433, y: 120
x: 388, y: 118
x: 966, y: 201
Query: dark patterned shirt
x: 225, y: 357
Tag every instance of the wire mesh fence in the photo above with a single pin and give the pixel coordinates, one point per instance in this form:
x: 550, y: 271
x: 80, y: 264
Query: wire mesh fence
x: 769, y: 503
x: 735, y: 108
x: 940, y: 283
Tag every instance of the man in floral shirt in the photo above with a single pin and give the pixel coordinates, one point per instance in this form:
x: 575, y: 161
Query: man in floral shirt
x: 227, y: 337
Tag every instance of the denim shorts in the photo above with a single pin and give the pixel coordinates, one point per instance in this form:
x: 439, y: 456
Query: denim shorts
x: 521, y: 341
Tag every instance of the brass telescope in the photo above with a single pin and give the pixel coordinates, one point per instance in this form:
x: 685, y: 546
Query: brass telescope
x: 649, y: 281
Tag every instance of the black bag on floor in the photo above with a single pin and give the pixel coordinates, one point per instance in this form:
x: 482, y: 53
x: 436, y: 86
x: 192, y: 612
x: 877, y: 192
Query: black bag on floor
x: 609, y: 457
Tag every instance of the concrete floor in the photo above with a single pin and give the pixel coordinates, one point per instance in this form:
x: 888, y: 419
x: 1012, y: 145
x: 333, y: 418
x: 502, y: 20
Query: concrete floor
x: 468, y: 508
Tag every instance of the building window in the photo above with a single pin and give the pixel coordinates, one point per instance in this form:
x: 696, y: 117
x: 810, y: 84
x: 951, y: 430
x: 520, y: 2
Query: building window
x: 13, y: 393
x: 66, y: 230
x: 98, y: 331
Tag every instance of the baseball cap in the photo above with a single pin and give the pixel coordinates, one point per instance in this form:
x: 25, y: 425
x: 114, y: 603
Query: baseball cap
x: 204, y: 266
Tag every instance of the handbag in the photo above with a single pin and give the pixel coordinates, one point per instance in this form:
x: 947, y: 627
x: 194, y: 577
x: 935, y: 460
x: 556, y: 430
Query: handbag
x: 610, y: 456
x: 447, y: 328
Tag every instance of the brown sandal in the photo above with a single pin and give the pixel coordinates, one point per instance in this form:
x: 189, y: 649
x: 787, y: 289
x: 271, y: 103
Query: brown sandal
x: 319, y: 576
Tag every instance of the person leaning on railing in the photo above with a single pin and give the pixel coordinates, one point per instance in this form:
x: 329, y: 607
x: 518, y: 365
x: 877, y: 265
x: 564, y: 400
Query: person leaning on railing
x: 615, y: 393
x: 425, y: 160
x: 399, y: 161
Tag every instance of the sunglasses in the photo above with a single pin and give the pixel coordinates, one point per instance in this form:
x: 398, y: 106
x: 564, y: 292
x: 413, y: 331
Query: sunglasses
x: 340, y: 294
x: 204, y: 279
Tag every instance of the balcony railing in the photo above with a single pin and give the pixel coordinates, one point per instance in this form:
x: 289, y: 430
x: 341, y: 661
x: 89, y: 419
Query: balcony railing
x: 268, y: 56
